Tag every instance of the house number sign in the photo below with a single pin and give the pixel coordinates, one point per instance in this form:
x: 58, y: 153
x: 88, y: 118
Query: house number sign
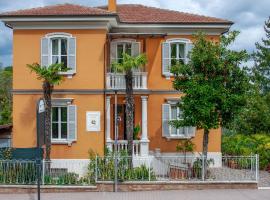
x: 93, y: 121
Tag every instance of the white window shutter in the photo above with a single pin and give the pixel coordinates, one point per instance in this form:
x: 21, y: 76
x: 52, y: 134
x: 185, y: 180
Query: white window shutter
x: 166, y: 116
x: 135, y: 49
x: 189, y: 47
x: 113, y: 52
x: 71, y: 63
x: 45, y: 52
x: 166, y: 58
x: 72, y: 123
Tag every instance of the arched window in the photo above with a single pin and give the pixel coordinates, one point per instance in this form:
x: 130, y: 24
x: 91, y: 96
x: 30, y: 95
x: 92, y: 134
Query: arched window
x: 118, y: 47
x: 59, y: 48
x: 174, y: 51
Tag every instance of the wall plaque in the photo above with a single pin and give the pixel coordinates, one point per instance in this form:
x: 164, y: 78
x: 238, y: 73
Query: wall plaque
x: 93, y: 121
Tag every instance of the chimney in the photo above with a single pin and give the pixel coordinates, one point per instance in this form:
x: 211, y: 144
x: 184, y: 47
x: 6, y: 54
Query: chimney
x: 112, y: 5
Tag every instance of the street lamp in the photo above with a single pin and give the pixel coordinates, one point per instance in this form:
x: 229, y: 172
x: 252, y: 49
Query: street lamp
x: 115, y: 140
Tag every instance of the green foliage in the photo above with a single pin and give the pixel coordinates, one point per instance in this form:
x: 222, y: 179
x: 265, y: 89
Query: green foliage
x: 6, y: 153
x: 136, y: 132
x: 185, y: 146
x: 239, y: 144
x: 197, y: 167
x: 129, y: 63
x: 51, y: 74
x: 213, y: 82
x: 105, y: 166
x: 6, y: 96
x: 12, y: 172
x: 254, y: 117
x: 261, y: 70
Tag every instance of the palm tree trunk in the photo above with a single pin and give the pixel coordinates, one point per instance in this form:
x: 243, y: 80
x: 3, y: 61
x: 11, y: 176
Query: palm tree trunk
x: 47, y: 92
x: 205, y: 150
x: 129, y: 110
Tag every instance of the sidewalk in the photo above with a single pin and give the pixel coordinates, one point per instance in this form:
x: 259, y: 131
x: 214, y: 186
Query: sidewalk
x: 155, y: 195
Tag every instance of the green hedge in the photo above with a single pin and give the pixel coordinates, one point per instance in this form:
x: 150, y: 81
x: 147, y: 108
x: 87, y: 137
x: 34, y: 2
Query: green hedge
x: 245, y: 145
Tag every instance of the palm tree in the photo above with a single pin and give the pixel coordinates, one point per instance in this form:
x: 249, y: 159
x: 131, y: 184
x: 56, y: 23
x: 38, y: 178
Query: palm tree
x: 126, y: 66
x: 50, y: 76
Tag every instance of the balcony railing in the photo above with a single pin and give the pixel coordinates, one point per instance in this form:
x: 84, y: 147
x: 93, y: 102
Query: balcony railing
x: 122, y: 145
x: 117, y: 80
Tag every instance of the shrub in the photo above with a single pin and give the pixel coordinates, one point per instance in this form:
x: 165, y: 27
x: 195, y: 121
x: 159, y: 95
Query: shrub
x: 126, y: 171
x: 245, y: 145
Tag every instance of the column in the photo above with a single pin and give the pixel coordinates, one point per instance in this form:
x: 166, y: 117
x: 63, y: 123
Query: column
x: 108, y: 123
x: 144, y: 143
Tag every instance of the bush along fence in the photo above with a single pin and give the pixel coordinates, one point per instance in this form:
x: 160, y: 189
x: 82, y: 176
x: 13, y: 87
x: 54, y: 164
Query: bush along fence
x: 138, y: 169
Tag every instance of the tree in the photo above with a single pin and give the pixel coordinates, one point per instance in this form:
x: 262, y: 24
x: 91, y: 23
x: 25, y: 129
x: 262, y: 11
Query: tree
x: 50, y: 77
x: 261, y: 70
x: 254, y: 117
x: 214, y: 85
x: 126, y: 66
x: 5, y: 95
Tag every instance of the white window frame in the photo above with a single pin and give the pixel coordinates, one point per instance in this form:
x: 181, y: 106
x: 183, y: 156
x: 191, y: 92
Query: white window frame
x: 124, y: 42
x: 59, y: 122
x: 124, y: 48
x: 59, y: 53
x: 60, y: 102
x: 59, y: 35
x: 173, y: 102
x: 177, y: 118
x: 179, y: 41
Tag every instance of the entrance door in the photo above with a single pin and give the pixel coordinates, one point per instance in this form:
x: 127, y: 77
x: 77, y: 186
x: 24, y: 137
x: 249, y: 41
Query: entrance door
x: 121, y: 121
x: 121, y: 108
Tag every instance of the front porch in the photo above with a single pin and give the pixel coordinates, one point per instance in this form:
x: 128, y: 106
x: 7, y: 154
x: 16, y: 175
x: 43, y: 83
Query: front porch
x: 141, y: 144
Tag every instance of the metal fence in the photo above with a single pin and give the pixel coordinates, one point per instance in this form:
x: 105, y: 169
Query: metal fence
x: 145, y: 169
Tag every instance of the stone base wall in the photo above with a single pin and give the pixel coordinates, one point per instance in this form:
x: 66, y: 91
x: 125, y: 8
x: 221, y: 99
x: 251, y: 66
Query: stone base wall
x: 130, y: 187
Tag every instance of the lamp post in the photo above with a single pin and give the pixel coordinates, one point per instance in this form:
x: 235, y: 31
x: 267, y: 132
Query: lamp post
x: 115, y: 141
x: 40, y: 112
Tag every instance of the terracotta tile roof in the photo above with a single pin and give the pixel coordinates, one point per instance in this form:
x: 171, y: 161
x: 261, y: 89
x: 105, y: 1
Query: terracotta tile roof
x: 133, y: 13
x: 128, y: 13
x: 60, y: 9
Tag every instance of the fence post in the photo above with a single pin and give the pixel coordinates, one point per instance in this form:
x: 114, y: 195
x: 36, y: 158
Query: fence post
x: 43, y: 172
x: 96, y: 168
x: 203, y: 170
x: 257, y: 167
x: 149, y: 170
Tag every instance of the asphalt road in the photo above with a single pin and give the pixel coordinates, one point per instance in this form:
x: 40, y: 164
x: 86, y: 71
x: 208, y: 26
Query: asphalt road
x: 155, y: 195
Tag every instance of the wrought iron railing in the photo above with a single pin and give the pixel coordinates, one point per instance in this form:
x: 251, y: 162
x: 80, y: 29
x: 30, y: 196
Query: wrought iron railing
x: 135, y: 168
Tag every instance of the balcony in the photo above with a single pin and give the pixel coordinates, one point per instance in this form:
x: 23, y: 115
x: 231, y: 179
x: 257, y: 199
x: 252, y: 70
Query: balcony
x: 117, y: 81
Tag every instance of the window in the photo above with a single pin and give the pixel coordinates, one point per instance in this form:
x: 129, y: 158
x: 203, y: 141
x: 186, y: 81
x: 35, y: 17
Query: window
x: 176, y: 115
x: 121, y: 49
x: 170, y: 111
x: 177, y: 53
x: 59, y: 51
x: 64, y: 121
x: 59, y: 123
x: 59, y: 48
x: 174, y: 51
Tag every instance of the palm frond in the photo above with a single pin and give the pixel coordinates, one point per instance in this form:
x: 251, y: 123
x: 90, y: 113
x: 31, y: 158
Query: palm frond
x: 52, y: 73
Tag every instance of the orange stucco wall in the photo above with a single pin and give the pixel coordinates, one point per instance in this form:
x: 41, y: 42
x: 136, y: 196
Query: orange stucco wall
x: 24, y: 129
x: 90, y: 75
x: 155, y: 129
x: 90, y: 58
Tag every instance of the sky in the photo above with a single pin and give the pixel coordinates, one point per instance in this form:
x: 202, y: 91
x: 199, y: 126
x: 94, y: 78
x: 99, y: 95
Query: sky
x: 248, y: 16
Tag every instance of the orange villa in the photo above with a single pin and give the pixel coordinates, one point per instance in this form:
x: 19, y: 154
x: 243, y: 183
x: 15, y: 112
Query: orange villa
x: 88, y: 40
